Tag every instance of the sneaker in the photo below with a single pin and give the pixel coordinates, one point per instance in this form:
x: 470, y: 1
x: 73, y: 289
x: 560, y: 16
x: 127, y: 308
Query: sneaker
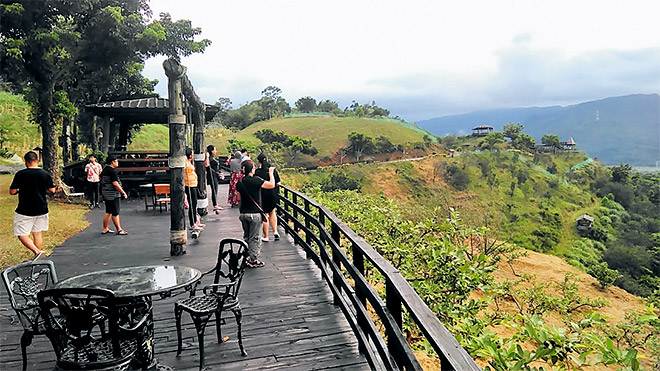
x: 199, y: 225
x: 264, y: 239
x: 217, y: 208
x: 255, y: 263
x: 277, y: 236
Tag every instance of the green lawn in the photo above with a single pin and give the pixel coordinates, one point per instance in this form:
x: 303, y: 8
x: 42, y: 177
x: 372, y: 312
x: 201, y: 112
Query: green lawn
x: 65, y: 221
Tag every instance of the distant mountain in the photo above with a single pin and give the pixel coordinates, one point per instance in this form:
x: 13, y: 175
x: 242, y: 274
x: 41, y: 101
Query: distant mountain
x: 615, y: 130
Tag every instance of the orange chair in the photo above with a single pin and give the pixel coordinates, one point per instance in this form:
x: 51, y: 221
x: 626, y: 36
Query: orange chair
x: 161, y: 194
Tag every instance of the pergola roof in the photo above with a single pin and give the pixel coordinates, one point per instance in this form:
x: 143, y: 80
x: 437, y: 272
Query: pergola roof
x: 151, y: 110
x: 483, y: 127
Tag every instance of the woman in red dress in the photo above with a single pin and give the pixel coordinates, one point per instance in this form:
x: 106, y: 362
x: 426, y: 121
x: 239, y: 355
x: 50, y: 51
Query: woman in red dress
x: 236, y: 175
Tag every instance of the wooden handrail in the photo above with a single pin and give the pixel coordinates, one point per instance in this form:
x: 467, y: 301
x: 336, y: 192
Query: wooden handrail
x: 323, y: 231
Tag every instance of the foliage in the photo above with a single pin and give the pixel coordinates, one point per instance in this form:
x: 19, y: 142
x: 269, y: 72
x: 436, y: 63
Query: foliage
x: 306, y: 104
x: 291, y: 145
x: 457, y: 177
x: 82, y: 47
x: 359, y: 145
x: 551, y: 140
x: 603, y: 274
x: 446, y: 268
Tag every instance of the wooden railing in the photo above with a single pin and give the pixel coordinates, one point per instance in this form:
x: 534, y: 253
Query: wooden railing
x: 320, y: 233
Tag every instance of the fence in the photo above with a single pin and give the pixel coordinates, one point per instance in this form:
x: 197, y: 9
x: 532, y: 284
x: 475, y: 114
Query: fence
x: 321, y: 235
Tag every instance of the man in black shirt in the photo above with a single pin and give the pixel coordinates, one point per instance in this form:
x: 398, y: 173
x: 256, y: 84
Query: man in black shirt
x: 249, y: 191
x: 112, y: 193
x: 31, y: 215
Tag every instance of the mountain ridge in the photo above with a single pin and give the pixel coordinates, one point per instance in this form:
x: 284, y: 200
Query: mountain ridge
x: 615, y: 130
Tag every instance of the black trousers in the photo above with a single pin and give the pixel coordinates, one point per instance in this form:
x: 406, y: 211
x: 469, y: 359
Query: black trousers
x: 191, y: 193
x: 93, y: 192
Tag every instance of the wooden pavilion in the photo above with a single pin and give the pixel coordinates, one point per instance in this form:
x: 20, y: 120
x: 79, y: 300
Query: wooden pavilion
x: 481, y: 130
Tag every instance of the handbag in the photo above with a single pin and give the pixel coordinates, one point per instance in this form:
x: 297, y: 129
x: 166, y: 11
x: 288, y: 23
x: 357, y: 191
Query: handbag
x: 263, y: 213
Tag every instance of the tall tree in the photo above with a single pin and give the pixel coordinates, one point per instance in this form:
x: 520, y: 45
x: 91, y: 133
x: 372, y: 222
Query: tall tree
x: 551, y: 140
x: 54, y: 45
x: 360, y: 144
x: 512, y: 131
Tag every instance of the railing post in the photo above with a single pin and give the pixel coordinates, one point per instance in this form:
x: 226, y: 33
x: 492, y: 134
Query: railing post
x: 393, y: 303
x: 336, y: 278
x: 308, y: 225
x: 294, y: 200
x: 358, y: 262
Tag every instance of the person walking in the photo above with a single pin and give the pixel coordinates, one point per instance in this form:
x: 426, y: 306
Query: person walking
x: 112, y: 194
x: 236, y: 175
x: 31, y: 215
x: 190, y: 183
x: 93, y: 170
x: 249, y: 191
x: 213, y: 174
x: 269, y: 198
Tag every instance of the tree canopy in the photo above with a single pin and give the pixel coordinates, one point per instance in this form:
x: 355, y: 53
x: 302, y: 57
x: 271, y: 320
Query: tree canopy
x: 85, y: 48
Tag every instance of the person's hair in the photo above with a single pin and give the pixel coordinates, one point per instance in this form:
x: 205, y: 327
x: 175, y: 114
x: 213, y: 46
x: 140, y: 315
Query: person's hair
x: 189, y: 152
x: 243, y: 150
x: 91, y: 155
x: 110, y: 160
x: 247, y: 166
x: 210, y: 148
x: 263, y: 159
x: 31, y: 156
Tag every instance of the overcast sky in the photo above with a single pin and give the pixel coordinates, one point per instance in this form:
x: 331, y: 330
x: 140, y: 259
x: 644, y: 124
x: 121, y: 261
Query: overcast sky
x: 421, y: 59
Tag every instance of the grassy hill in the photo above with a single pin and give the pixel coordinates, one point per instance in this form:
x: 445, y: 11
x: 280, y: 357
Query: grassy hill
x: 18, y: 133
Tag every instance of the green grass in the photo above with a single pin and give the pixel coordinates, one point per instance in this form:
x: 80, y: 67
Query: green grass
x: 65, y: 220
x: 22, y: 134
x: 151, y: 137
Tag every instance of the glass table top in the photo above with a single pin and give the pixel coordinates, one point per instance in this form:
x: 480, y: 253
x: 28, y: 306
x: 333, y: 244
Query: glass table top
x: 136, y: 281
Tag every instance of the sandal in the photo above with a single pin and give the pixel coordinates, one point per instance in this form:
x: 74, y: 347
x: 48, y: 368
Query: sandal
x: 122, y: 232
x: 108, y: 231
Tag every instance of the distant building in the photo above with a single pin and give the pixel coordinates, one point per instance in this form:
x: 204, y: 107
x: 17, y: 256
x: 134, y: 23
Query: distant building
x: 584, y: 222
x: 568, y: 146
x: 481, y: 130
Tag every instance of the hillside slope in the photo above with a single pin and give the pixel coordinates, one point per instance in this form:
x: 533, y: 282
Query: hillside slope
x: 328, y: 133
x: 634, y: 120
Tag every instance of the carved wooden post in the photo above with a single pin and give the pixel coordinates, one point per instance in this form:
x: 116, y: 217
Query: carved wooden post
x: 177, y: 157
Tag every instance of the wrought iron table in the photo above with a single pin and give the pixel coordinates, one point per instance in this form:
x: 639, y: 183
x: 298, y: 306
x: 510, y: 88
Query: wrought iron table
x: 135, y: 287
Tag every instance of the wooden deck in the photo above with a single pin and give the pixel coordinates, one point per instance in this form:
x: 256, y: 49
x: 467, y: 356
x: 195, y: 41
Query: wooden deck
x: 289, y: 321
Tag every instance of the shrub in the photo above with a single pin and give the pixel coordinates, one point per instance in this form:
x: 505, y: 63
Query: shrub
x: 603, y: 274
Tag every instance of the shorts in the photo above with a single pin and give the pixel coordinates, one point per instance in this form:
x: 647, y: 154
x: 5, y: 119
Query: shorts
x: 24, y: 225
x: 112, y: 207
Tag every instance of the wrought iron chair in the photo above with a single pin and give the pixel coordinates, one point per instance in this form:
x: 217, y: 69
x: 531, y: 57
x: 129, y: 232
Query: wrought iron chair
x: 220, y: 296
x: 22, y: 282
x: 83, y: 325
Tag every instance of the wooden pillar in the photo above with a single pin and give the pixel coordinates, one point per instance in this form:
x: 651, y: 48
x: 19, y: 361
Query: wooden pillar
x: 114, y: 127
x: 198, y: 117
x: 105, y: 141
x: 177, y: 157
x: 122, y: 141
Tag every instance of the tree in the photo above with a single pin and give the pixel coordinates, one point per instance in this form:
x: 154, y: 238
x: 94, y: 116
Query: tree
x: 621, y: 173
x: 523, y: 142
x: 551, y: 140
x: 329, y: 106
x: 306, y: 104
x: 59, y: 45
x: 512, y: 131
x: 492, y: 138
x: 360, y: 145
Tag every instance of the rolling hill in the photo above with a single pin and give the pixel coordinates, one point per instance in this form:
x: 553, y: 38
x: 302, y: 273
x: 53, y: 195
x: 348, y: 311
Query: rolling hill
x: 615, y: 130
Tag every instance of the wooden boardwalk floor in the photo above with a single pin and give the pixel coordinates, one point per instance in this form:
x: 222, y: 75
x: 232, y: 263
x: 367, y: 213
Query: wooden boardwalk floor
x: 289, y: 321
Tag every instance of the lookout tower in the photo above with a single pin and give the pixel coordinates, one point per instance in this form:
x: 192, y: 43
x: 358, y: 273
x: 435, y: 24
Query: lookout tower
x: 481, y: 130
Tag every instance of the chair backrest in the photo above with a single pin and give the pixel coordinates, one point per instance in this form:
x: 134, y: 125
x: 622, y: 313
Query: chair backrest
x: 162, y: 189
x: 77, y: 318
x: 232, y: 259
x: 23, y: 282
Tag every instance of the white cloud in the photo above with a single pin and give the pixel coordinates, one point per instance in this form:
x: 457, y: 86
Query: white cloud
x: 421, y: 59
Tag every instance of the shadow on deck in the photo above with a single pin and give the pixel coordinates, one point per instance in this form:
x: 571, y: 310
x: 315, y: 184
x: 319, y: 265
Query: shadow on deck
x: 289, y: 321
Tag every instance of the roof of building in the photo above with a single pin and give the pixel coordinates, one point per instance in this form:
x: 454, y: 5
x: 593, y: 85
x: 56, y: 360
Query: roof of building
x: 585, y: 217
x: 142, y: 110
x: 571, y: 142
x: 483, y: 127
